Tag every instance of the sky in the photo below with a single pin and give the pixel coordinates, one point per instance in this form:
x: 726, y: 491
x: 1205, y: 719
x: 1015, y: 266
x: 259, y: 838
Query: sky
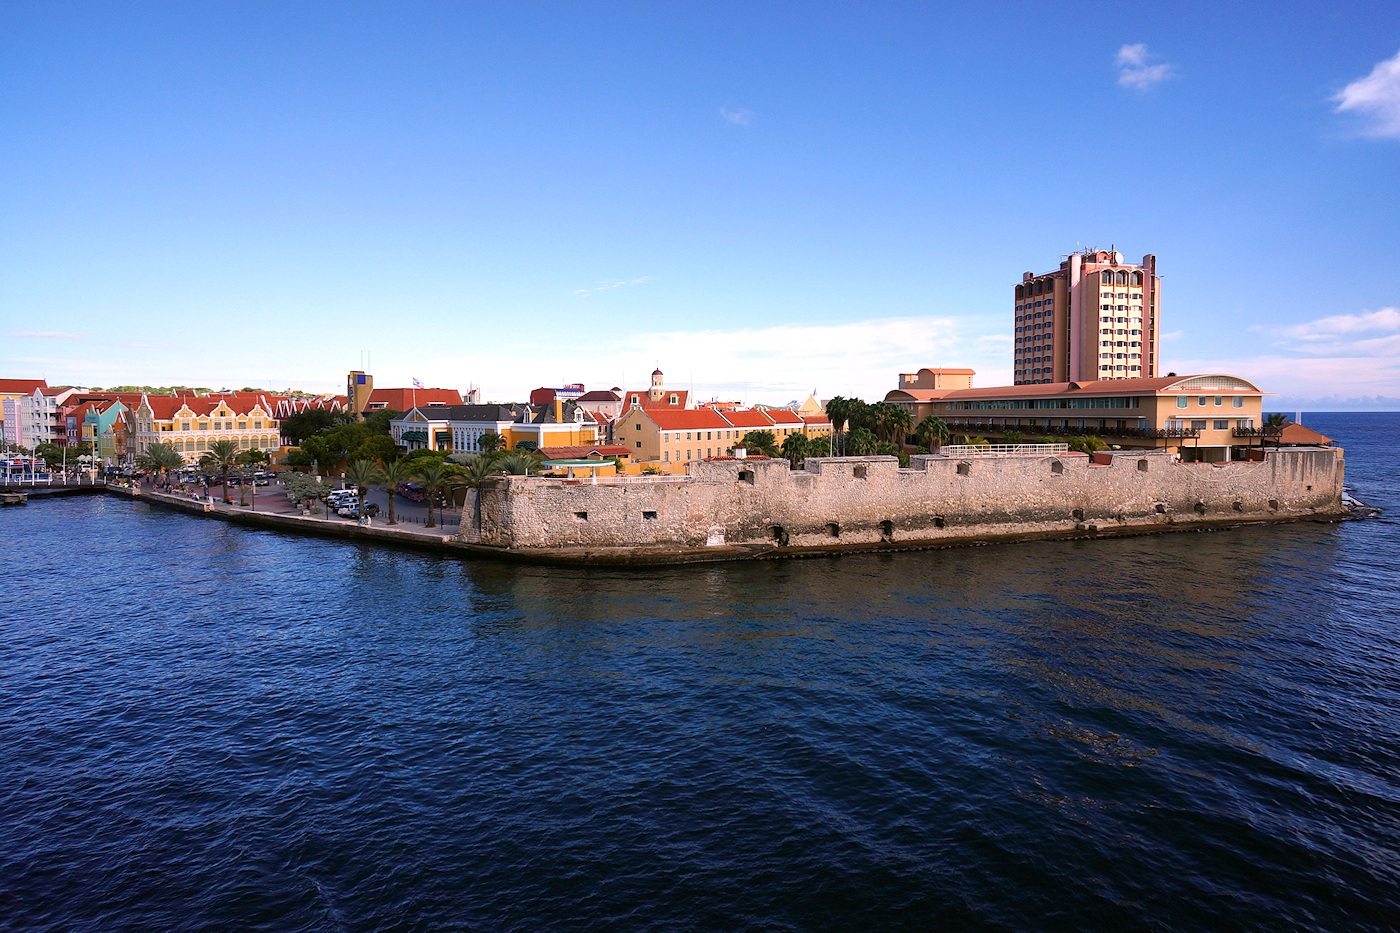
x: 761, y: 199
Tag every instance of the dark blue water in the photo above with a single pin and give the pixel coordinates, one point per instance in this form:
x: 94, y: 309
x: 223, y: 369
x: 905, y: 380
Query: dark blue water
x: 204, y: 727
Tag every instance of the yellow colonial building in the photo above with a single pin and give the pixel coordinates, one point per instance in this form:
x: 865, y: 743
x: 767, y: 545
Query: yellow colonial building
x: 191, y: 423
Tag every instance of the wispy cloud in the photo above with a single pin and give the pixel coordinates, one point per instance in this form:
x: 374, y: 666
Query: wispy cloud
x: 1375, y: 98
x: 739, y: 116
x: 1343, y: 356
x: 1135, y: 72
x: 42, y: 335
x: 610, y: 285
x: 1365, y: 334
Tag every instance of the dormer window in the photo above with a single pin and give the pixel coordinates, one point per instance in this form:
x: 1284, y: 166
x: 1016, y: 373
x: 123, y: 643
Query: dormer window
x: 675, y: 400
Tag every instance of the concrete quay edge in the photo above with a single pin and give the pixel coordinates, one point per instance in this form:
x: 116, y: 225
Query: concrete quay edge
x: 671, y: 556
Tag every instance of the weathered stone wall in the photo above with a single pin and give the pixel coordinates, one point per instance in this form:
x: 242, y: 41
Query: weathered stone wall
x: 869, y: 500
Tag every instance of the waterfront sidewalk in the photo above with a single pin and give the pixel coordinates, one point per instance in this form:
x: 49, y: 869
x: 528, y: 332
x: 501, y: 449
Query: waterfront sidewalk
x: 272, y: 505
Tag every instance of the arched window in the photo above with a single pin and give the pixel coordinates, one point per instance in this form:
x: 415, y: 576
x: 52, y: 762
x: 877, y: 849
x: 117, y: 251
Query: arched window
x: 1020, y: 291
x: 1040, y: 288
x: 1106, y: 277
x: 1122, y: 278
x: 1137, y: 278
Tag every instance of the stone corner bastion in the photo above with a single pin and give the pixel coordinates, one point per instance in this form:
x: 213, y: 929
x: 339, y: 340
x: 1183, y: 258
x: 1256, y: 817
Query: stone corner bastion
x: 727, y: 509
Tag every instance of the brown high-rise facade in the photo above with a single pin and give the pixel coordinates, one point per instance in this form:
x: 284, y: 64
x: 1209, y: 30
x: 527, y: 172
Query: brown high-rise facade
x: 1096, y: 317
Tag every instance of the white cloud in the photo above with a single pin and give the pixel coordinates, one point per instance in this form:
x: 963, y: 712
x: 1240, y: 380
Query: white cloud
x: 42, y: 335
x: 1338, y: 357
x: 1135, y: 72
x: 1376, y: 98
x: 760, y: 364
x: 1345, y: 333
x: 610, y: 285
x: 739, y: 116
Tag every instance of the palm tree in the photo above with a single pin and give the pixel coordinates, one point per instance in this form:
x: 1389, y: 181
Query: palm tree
x: 362, y: 475
x: 795, y: 447
x: 862, y: 442
x: 491, y: 442
x: 760, y: 442
x: 389, y: 477
x: 838, y: 410
x: 933, y: 432
x: 899, y: 421
x: 1274, y: 424
x: 223, y: 455
x: 518, y: 462
x: 160, y: 458
x: 433, y: 477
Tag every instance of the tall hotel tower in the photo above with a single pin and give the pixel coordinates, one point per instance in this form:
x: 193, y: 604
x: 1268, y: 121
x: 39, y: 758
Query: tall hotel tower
x: 1095, y: 317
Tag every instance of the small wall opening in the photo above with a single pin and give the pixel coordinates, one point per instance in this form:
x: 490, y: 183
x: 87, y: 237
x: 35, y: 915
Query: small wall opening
x: 746, y: 476
x: 1057, y: 467
x: 833, y: 530
x: 1237, y: 505
x: 581, y: 516
x: 1161, y: 509
x: 649, y: 516
x: 1309, y: 488
x: 1273, y: 505
x: 1077, y: 515
x: 964, y: 469
x: 779, y: 535
x: 939, y: 522
x: 887, y: 530
x: 1200, y: 508
x: 861, y: 472
x: 1142, y: 466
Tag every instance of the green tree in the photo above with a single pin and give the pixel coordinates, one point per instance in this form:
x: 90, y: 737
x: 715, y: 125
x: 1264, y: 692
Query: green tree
x: 890, y: 422
x: 1273, y: 427
x: 389, y: 476
x: 159, y: 458
x: 252, y: 457
x: 491, y: 442
x: 377, y: 421
x: 222, y: 456
x: 838, y: 410
x: 308, y: 423
x: 376, y: 447
x: 795, y: 448
x: 362, y: 474
x: 932, y: 432
x: 341, y: 442
x: 432, y: 477
x: 760, y: 442
x: 861, y: 442
x: 424, y: 453
x: 1086, y: 443
x: 519, y: 462
x: 1012, y: 436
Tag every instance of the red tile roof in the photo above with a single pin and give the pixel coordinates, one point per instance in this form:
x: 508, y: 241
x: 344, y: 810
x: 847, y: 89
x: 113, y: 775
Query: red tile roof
x: 747, y: 418
x: 675, y: 419
x: 404, y: 399
x: 22, y: 386
x: 1299, y: 436
x: 644, y: 400
x: 783, y: 416
x: 583, y: 452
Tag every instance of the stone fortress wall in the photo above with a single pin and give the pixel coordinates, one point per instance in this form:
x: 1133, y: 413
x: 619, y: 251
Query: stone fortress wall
x: 870, y: 502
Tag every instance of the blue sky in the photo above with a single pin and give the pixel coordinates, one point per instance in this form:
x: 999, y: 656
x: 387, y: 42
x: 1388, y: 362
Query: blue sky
x: 763, y: 199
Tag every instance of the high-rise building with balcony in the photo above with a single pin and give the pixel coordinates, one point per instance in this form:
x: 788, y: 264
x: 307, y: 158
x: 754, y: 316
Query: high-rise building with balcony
x: 1096, y: 317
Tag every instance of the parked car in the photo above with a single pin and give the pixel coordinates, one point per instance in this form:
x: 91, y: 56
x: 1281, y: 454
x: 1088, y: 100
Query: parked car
x: 351, y: 510
x: 341, y: 495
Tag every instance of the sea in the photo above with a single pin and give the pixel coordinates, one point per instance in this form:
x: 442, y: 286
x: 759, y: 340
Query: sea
x: 210, y: 727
